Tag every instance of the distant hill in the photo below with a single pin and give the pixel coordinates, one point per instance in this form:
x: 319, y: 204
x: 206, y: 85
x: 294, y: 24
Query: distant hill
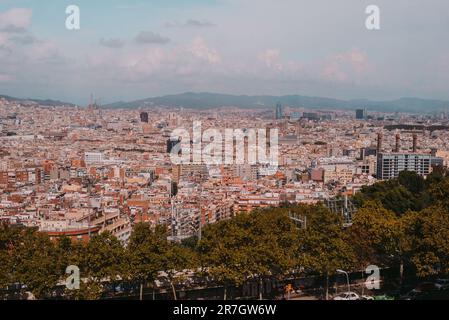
x: 207, y: 100
x: 214, y: 100
x: 46, y: 102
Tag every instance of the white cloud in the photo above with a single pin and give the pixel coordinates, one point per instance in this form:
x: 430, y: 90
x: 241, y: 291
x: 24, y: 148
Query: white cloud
x: 348, y: 66
x: 270, y: 58
x: 190, y: 23
x: 15, y: 20
x: 200, y: 50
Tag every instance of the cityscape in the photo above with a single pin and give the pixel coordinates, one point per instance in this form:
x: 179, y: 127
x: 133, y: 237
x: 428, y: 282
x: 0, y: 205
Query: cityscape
x: 253, y: 195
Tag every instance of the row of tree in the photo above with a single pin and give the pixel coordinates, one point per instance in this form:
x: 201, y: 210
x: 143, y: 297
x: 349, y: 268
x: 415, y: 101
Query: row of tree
x: 265, y: 244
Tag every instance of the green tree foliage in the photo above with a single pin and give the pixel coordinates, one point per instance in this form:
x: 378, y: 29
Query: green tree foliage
x: 408, y: 192
x: 102, y: 260
x: 402, y: 222
x: 175, y: 260
x: 324, y: 245
x: 224, y: 252
x: 259, y: 245
x: 143, y: 253
x: 428, y: 233
x: 35, y: 263
x: 149, y: 252
x: 413, y: 182
x: 8, y: 239
x: 383, y: 231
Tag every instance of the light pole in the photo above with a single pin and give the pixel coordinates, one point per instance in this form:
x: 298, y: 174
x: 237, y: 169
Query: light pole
x: 347, y: 278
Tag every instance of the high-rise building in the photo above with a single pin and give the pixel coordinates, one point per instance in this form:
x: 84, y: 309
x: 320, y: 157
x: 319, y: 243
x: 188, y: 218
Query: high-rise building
x: 144, y: 117
x: 360, y: 114
x: 311, y: 116
x: 279, y: 111
x: 389, y: 165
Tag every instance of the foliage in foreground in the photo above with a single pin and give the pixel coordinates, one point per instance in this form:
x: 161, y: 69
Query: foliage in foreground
x: 263, y: 244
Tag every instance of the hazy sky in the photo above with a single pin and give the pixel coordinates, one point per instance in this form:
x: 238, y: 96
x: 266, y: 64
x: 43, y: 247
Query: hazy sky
x: 134, y: 49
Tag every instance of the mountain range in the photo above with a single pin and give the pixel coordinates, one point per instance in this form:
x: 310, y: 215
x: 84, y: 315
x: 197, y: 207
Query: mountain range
x: 207, y: 100
x: 213, y: 100
x: 46, y: 102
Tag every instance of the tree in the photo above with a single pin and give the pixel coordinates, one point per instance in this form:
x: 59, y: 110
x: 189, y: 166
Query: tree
x: 439, y: 192
x: 151, y: 252
x: 35, y: 263
x: 274, y: 246
x: 260, y: 245
x: 101, y: 261
x: 324, y: 245
x: 412, y: 181
x: 384, y: 231
x: 176, y: 260
x: 9, y: 238
x: 143, y: 254
x: 428, y: 232
x: 224, y: 251
x: 393, y: 195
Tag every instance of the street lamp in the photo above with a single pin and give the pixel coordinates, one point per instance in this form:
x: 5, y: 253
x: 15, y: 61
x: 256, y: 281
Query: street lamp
x: 347, y: 278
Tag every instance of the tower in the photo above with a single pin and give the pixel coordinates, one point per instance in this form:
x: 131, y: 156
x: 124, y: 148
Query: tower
x: 144, y: 117
x: 415, y: 143
x: 279, y: 111
x: 398, y: 142
x: 379, y: 142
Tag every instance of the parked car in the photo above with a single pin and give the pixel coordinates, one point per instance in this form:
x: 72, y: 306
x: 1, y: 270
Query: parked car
x: 426, y: 287
x: 347, y: 296
x: 442, y: 284
x: 383, y: 297
x: 412, y: 295
x: 423, y: 291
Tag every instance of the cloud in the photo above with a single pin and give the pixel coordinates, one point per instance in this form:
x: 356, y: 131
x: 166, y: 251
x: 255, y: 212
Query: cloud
x: 270, y: 58
x: 112, y: 42
x: 190, y: 23
x: 15, y: 20
x: 24, y: 40
x: 350, y: 65
x: 145, y: 37
x: 3, y: 39
x: 200, y: 50
x: 5, y: 78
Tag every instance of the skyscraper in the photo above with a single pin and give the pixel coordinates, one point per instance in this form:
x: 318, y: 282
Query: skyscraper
x: 144, y: 117
x: 279, y: 111
x: 360, y: 114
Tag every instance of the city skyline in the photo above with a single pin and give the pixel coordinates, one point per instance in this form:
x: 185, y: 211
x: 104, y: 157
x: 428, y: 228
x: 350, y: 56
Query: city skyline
x: 224, y: 150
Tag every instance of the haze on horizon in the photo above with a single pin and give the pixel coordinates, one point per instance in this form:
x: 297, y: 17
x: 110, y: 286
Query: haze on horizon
x: 134, y: 49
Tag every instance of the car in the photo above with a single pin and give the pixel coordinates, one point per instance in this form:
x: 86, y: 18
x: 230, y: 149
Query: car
x: 426, y: 287
x: 424, y: 291
x: 383, y: 297
x: 442, y: 284
x: 365, y: 297
x: 412, y: 295
x: 347, y: 296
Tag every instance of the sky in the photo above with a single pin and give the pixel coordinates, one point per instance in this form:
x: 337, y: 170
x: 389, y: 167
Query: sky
x: 133, y: 49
